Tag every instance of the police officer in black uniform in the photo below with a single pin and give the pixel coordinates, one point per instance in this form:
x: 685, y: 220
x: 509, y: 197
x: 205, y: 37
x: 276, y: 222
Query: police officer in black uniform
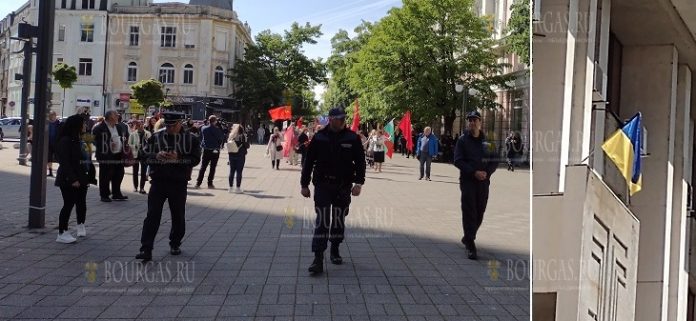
x: 171, y: 154
x: 335, y: 164
x: 473, y: 157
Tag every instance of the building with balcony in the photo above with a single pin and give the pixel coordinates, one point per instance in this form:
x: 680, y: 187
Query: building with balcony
x: 599, y: 253
x: 189, y: 48
x: 514, y: 112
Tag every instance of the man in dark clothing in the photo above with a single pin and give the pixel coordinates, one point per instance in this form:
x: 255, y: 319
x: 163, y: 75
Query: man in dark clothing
x: 472, y: 156
x: 109, y: 138
x: 171, y: 153
x: 335, y: 164
x: 212, y: 138
x: 302, y: 142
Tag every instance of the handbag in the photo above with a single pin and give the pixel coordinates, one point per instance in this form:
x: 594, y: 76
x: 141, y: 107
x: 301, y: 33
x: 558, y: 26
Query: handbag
x: 279, y: 148
x: 232, y: 147
x: 127, y: 156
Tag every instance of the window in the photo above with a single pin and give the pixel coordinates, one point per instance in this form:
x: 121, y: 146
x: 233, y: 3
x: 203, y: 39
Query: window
x: 88, y: 4
x: 85, y: 67
x: 166, y: 73
x: 188, y: 74
x: 134, y: 35
x: 87, y: 32
x: 168, y: 37
x: 132, y: 71
x: 221, y: 41
x: 219, y: 76
x: 189, y: 38
x: 64, y: 4
x: 61, y: 33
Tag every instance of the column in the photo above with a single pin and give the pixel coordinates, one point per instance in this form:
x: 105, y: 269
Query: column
x: 649, y: 85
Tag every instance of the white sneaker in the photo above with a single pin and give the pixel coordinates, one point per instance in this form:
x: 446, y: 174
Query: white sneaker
x: 238, y: 190
x: 66, y: 238
x: 81, y: 231
x: 230, y: 190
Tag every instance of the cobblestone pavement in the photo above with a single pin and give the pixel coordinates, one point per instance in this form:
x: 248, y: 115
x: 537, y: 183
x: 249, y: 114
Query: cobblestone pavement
x: 245, y: 257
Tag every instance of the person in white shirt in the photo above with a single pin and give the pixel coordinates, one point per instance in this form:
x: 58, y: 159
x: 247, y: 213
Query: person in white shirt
x: 378, y: 149
x: 108, y: 138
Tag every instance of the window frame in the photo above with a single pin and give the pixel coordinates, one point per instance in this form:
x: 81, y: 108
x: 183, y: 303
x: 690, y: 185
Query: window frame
x: 61, y: 33
x: 134, y: 35
x: 86, y: 34
x: 132, y: 66
x: 188, y: 74
x: 168, y: 37
x: 87, y: 71
x: 166, y: 72
x: 219, y: 71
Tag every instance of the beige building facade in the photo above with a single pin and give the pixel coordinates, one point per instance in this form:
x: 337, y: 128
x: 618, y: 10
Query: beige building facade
x: 189, y: 48
x: 600, y: 254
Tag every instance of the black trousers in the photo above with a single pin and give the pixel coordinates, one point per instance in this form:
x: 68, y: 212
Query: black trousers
x: 474, y: 200
x: 141, y: 167
x: 331, y: 203
x: 175, y: 193
x: 209, y: 157
x: 72, y: 197
x: 425, y: 162
x: 236, y: 168
x: 111, y: 172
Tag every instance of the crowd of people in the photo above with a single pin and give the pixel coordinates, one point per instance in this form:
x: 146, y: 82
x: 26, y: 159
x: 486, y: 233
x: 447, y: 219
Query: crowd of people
x: 164, y: 149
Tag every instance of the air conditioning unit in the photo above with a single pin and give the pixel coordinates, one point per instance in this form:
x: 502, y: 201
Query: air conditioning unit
x: 599, y: 85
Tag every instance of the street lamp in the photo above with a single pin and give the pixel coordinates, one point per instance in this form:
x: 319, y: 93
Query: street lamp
x: 471, y: 92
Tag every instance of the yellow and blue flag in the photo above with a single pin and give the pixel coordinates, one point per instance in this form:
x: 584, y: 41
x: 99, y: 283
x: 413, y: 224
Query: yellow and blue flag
x: 623, y: 148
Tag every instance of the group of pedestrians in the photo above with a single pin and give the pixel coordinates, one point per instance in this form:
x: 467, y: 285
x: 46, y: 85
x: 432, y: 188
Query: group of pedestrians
x: 333, y: 160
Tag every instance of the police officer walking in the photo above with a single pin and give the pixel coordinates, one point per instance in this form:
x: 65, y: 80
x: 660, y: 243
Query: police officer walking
x: 335, y: 164
x: 472, y: 157
x: 171, y: 153
x: 212, y: 138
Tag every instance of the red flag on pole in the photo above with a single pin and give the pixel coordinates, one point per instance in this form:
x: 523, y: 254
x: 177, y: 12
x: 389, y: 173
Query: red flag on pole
x: 299, y: 122
x: 280, y: 113
x: 356, y: 117
x: 405, y: 126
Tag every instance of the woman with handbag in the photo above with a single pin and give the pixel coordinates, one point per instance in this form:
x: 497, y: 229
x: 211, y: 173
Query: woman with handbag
x: 237, y: 145
x: 75, y: 173
x: 136, y: 141
x: 275, y: 148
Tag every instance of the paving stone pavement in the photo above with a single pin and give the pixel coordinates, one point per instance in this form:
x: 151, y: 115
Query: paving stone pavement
x: 245, y: 256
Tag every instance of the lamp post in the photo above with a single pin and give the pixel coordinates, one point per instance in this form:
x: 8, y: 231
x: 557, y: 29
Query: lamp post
x: 465, y: 98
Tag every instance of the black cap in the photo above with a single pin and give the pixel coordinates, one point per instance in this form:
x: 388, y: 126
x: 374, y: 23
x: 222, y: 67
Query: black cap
x: 473, y: 114
x: 337, y: 113
x: 172, y: 117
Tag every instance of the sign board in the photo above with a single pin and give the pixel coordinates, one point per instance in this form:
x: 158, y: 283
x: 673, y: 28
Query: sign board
x: 124, y: 97
x: 83, y: 102
x: 136, y: 107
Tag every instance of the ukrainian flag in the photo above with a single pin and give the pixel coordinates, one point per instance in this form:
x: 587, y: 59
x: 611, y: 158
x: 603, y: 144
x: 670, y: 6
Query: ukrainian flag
x: 623, y: 148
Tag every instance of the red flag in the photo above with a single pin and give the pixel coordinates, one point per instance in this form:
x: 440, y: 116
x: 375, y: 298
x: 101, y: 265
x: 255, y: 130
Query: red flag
x: 390, y: 147
x: 280, y: 113
x: 405, y: 126
x: 356, y: 117
x: 299, y: 122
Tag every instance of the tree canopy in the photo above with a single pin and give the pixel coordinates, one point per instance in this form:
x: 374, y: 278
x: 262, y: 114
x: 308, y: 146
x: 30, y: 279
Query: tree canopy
x: 148, y: 92
x: 275, y: 69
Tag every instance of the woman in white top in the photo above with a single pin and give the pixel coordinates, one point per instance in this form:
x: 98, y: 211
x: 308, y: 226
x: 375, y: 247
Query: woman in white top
x: 275, y: 148
x: 378, y: 149
x: 136, y: 140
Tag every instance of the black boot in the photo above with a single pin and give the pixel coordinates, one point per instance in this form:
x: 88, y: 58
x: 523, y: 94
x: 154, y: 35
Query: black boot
x: 175, y: 250
x: 318, y: 263
x: 470, y: 249
x: 278, y: 164
x: 272, y: 164
x: 335, y: 256
x: 144, y: 255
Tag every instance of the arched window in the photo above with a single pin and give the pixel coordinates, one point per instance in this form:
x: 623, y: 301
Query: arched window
x: 219, y: 76
x: 132, y: 71
x: 188, y: 74
x: 166, y: 73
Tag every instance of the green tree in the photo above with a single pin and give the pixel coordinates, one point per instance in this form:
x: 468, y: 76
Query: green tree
x: 417, y: 54
x: 518, y: 30
x: 149, y: 93
x: 276, y: 70
x: 66, y: 76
